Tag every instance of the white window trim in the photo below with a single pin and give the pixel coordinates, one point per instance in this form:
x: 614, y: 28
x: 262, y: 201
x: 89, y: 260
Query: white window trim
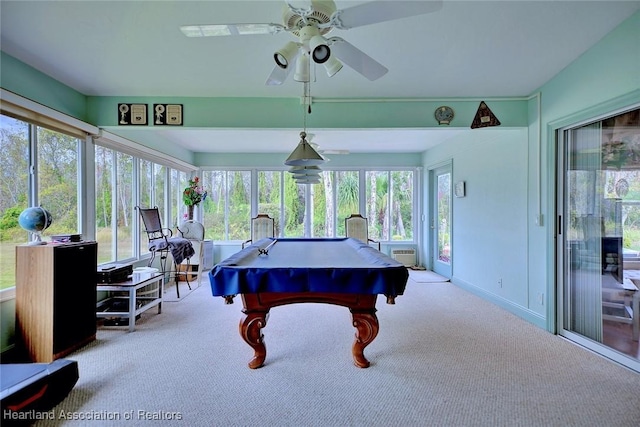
x: 123, y: 145
x: 25, y: 109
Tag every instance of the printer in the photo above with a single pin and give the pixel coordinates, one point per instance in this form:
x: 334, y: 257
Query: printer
x: 114, y: 273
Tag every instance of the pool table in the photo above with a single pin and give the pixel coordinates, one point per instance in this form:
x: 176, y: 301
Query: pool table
x: 341, y: 271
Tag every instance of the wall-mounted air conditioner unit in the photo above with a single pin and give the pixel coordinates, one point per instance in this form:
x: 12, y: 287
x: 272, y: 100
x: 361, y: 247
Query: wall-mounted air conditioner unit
x: 407, y: 257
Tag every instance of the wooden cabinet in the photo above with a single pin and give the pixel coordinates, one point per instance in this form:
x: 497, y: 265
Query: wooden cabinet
x: 55, y: 298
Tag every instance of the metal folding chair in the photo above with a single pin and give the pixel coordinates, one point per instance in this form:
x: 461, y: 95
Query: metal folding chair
x: 162, y: 242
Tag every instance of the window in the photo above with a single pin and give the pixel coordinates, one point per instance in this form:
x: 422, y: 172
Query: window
x: 389, y: 204
x: 401, y: 197
x: 41, y: 166
x: 322, y: 212
x: 14, y: 193
x: 443, y: 216
x: 214, y: 206
x: 58, y: 179
x: 178, y: 180
x: 347, y: 197
x: 104, y: 166
x: 123, y: 182
x: 227, y: 208
x: 53, y: 159
x: 114, y: 205
x: 295, y: 199
x: 160, y: 198
x: 269, y: 195
x: 147, y: 197
x: 124, y: 206
x: 316, y: 210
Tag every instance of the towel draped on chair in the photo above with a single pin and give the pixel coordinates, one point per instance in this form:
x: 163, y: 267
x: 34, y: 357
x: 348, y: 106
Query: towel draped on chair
x: 180, y: 248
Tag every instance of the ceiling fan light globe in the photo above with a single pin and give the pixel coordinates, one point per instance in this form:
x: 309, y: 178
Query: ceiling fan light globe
x: 302, y: 69
x: 281, y: 61
x: 285, y: 56
x: 319, y: 48
x: 332, y: 66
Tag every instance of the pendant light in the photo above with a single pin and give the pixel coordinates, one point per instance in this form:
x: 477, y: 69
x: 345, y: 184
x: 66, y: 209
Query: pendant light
x: 305, y: 170
x: 308, y: 180
x: 304, y: 154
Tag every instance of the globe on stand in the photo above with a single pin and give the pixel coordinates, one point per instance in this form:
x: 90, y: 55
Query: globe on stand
x: 35, y: 220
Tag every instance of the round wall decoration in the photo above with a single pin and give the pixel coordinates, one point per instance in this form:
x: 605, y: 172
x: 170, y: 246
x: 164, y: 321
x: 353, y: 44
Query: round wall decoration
x: 444, y: 115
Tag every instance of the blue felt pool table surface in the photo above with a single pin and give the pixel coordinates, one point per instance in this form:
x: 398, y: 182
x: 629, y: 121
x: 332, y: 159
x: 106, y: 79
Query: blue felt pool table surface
x: 330, y: 265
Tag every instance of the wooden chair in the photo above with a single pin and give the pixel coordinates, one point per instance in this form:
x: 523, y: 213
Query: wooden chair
x: 161, y: 241
x: 357, y: 226
x: 262, y: 226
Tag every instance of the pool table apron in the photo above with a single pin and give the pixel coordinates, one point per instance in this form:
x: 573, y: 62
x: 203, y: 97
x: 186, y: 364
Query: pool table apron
x: 256, y: 313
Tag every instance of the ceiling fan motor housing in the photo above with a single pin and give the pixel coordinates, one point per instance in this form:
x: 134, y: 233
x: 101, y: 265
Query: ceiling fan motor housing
x: 320, y: 13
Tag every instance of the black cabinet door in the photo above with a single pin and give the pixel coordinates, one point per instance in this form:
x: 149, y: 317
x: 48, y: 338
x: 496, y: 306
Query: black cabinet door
x: 74, y: 315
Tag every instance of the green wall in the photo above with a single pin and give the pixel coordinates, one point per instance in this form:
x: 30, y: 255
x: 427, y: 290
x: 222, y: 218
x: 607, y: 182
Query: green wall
x: 274, y: 113
x: 286, y: 113
x: 30, y: 83
x: 509, y: 211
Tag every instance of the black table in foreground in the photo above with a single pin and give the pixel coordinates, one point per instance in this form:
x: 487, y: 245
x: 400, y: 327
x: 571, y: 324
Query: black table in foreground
x: 275, y: 272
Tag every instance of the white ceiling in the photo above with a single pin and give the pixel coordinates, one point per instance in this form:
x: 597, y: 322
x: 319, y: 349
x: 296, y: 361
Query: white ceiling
x: 467, y: 49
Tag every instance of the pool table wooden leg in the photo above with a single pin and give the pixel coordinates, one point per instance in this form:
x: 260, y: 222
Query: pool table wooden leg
x: 366, y: 324
x: 250, y: 330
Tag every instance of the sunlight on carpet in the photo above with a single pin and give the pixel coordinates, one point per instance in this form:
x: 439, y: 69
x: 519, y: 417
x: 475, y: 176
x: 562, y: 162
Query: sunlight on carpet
x: 426, y: 276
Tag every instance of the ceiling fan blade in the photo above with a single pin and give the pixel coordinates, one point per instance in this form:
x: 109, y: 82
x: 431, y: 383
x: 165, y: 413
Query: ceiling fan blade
x: 321, y: 151
x: 330, y: 152
x: 214, y: 30
x: 357, y: 59
x: 379, y: 11
x: 278, y: 76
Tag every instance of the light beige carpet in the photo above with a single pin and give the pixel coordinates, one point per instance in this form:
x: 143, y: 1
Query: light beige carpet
x: 443, y: 357
x: 170, y: 294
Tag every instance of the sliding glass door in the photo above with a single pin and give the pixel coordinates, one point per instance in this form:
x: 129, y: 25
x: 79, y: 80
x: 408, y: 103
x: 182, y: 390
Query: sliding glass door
x: 599, y: 235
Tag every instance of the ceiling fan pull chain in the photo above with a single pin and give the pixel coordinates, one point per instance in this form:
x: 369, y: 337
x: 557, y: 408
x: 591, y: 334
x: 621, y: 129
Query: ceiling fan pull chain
x: 309, y: 96
x: 306, y: 98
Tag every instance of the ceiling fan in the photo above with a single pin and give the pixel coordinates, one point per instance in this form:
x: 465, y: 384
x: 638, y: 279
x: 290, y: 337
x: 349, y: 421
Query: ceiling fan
x: 310, y: 25
x: 321, y: 151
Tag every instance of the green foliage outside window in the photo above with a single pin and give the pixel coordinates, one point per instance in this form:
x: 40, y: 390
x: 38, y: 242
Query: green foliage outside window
x: 57, y: 171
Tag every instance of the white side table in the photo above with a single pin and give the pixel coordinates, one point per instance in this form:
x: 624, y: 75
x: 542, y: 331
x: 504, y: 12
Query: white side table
x: 202, y: 260
x: 138, y: 301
